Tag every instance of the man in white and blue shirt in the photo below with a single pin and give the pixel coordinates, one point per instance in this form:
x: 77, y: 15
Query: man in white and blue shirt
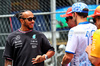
x: 79, y: 37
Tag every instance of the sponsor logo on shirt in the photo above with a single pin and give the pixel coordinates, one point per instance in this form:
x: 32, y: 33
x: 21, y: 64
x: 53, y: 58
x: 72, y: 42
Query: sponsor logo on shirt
x: 18, y: 42
x: 34, y: 36
x: 34, y: 41
x: 17, y: 37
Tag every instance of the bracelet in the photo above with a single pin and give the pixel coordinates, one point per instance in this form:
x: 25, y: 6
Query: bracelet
x: 9, y: 65
x: 46, y: 57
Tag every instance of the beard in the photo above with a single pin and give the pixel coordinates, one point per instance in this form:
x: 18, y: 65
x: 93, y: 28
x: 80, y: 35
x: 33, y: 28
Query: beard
x: 27, y: 26
x: 75, y: 19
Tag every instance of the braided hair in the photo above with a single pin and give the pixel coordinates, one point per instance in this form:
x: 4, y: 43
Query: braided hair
x: 20, y: 14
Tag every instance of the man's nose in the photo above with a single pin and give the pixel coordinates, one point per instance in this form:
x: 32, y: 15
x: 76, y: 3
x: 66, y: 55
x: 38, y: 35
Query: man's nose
x: 33, y: 20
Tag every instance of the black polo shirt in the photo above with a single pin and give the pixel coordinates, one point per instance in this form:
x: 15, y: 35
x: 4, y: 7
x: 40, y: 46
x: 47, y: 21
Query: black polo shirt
x: 22, y: 47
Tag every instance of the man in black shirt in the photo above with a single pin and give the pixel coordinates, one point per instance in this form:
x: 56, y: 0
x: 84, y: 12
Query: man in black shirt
x: 25, y: 46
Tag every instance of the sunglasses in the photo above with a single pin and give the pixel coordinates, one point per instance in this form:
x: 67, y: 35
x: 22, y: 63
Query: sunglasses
x: 68, y: 18
x: 30, y: 19
x: 97, y: 17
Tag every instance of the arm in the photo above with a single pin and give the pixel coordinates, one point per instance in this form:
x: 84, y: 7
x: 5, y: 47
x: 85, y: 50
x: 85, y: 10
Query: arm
x: 8, y: 62
x: 50, y: 54
x: 46, y: 49
x: 41, y: 58
x: 70, y: 47
x: 67, y: 58
x: 8, y: 52
x: 94, y: 60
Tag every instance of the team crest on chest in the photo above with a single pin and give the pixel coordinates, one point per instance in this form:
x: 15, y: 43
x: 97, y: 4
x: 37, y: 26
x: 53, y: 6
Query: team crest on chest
x: 34, y: 41
x: 34, y: 36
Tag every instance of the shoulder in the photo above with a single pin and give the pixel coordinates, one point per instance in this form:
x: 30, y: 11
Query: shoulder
x: 97, y: 32
x: 93, y: 26
x: 74, y: 29
x: 38, y: 33
x: 88, y: 26
x: 12, y: 34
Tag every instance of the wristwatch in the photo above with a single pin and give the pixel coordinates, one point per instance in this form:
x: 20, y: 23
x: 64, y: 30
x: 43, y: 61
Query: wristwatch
x: 46, y: 57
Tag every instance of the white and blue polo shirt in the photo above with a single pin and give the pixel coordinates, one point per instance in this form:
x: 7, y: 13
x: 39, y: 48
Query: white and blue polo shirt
x: 79, y: 38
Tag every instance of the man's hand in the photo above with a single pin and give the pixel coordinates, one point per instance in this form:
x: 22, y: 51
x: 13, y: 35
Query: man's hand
x: 66, y: 59
x: 88, y: 49
x: 62, y: 64
x: 38, y: 59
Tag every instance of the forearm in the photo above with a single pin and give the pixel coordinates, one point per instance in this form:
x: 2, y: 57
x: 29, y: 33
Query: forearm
x: 41, y: 58
x: 8, y: 62
x: 66, y: 59
x: 94, y: 60
x: 50, y: 54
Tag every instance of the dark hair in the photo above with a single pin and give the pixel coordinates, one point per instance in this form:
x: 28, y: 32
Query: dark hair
x: 94, y: 19
x: 83, y: 14
x: 97, y: 17
x: 70, y: 17
x: 19, y: 15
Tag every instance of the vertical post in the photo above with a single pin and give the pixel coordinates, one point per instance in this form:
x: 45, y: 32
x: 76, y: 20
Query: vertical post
x: 53, y: 28
x: 97, y: 2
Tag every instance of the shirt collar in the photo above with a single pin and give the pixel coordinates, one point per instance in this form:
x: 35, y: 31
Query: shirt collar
x: 24, y: 31
x: 83, y: 23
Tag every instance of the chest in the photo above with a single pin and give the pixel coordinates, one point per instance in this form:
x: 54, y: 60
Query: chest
x: 25, y: 41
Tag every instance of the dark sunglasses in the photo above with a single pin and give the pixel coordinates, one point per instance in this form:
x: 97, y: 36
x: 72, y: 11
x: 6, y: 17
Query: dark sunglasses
x: 68, y: 18
x: 29, y: 19
x: 97, y: 17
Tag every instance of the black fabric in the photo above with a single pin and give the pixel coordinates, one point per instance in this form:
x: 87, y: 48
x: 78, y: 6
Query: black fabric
x: 22, y: 47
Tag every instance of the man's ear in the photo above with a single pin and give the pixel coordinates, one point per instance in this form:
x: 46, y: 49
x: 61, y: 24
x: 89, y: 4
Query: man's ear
x: 21, y: 20
x: 75, y: 14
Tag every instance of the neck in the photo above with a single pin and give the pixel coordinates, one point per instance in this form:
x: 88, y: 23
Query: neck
x: 24, y: 29
x: 79, y: 20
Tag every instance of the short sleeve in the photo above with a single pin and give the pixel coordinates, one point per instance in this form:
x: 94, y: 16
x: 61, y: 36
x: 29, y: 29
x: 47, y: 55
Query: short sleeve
x: 72, y: 42
x: 95, y: 50
x: 8, y: 52
x: 46, y: 46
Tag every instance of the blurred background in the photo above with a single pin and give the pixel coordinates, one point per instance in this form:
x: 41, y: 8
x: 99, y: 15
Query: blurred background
x: 48, y: 21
